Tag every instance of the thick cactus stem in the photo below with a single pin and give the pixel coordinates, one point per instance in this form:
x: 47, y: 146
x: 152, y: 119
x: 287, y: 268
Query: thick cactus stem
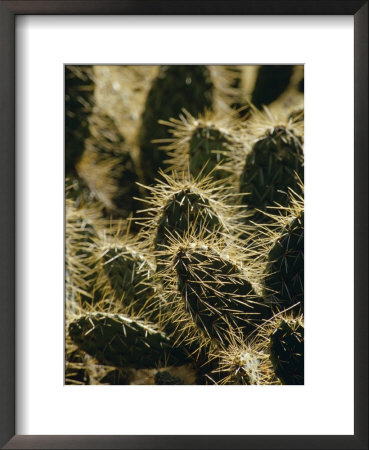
x: 285, y: 268
x: 274, y: 164
x: 130, y: 277
x: 116, y: 339
x: 207, y: 150
x: 183, y: 211
x: 181, y: 206
x: 287, y: 351
x: 216, y: 294
x: 203, y: 145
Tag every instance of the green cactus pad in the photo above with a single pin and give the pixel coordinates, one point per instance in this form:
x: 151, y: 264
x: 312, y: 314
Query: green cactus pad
x: 207, y: 149
x: 186, y: 209
x: 287, y: 351
x: 116, y: 339
x: 274, y: 164
x: 130, y: 276
x: 216, y: 294
x: 175, y: 88
x: 285, y: 268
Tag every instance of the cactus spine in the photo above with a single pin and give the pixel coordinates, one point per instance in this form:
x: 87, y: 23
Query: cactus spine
x: 244, y: 364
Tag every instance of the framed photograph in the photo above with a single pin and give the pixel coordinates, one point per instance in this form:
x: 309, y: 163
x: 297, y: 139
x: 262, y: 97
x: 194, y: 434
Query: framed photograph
x: 156, y: 163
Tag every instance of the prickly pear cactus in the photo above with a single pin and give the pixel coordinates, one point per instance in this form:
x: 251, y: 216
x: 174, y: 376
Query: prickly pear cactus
x: 285, y: 279
x: 182, y: 206
x: 184, y: 225
x: 207, y: 147
x: 224, y: 301
x: 202, y: 145
x: 284, y: 246
x: 126, y: 271
x: 183, y: 210
x: 123, y: 341
x: 273, y: 165
x: 287, y: 351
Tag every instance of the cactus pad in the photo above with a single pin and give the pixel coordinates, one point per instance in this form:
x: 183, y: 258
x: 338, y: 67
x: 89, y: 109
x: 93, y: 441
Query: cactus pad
x: 207, y: 148
x: 130, y: 276
x: 183, y: 210
x: 217, y: 294
x: 287, y: 351
x: 285, y: 268
x: 116, y: 339
x: 274, y: 164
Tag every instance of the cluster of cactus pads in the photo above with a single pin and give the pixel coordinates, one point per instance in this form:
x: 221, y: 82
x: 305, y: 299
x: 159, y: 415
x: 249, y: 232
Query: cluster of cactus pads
x: 184, y: 210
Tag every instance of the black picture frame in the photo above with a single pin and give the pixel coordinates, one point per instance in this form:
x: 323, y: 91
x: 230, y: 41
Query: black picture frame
x: 8, y: 12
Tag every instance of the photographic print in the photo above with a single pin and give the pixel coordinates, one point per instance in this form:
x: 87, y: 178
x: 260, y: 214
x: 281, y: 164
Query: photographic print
x: 184, y: 225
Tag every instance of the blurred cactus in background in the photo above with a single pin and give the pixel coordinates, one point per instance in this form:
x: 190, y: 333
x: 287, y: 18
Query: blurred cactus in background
x: 174, y: 88
x: 79, y: 98
x: 184, y: 209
